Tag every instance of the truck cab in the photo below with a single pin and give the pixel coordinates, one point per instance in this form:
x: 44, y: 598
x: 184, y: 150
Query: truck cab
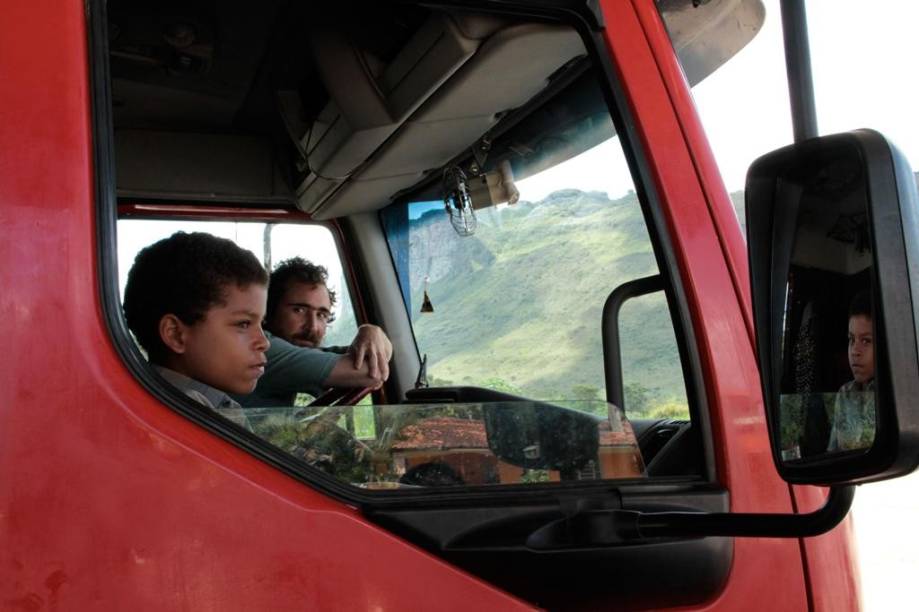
x: 521, y: 195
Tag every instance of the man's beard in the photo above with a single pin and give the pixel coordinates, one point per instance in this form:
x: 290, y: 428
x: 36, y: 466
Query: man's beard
x: 306, y: 339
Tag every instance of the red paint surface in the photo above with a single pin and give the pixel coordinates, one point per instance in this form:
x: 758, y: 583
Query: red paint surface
x: 108, y: 500
x: 831, y: 559
x: 767, y: 573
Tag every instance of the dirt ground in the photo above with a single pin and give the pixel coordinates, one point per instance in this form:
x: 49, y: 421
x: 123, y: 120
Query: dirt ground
x: 885, y: 515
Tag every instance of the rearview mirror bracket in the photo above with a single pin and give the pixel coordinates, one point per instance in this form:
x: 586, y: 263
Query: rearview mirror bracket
x: 614, y: 527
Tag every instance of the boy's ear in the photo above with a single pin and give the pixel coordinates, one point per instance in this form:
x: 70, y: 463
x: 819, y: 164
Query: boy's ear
x: 172, y: 333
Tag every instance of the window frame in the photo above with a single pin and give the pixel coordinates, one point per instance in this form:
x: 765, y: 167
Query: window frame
x: 610, y: 353
x: 665, y: 253
x: 108, y: 207
x: 174, y: 399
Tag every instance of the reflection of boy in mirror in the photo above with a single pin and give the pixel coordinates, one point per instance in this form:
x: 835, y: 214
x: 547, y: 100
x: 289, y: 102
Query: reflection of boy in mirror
x: 853, y: 419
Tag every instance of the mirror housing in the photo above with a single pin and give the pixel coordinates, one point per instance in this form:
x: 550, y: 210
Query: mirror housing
x: 840, y: 175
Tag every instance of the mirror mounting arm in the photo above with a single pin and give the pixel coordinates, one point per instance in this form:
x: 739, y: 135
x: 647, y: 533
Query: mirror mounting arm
x: 613, y: 527
x: 798, y: 70
x: 661, y: 524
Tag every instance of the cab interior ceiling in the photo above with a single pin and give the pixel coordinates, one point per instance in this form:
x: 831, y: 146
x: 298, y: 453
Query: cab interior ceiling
x: 338, y: 111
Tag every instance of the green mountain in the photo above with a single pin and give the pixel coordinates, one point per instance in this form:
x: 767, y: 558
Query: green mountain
x: 518, y: 305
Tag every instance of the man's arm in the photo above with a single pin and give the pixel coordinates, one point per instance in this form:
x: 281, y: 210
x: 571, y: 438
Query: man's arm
x: 366, y: 363
x: 294, y: 369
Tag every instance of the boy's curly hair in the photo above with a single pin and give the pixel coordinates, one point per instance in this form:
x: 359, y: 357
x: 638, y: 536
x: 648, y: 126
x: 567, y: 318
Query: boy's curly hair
x: 299, y: 270
x: 184, y: 275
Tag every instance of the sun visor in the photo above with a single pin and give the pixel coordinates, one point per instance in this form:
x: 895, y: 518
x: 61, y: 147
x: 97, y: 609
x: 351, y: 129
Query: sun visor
x: 707, y: 34
x: 200, y: 167
x: 368, y: 101
x: 511, y: 67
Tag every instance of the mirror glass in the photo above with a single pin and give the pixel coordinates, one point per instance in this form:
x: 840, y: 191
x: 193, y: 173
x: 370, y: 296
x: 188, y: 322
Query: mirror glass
x: 827, y: 402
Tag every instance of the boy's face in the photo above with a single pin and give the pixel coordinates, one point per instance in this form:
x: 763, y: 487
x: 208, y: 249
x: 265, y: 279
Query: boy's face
x: 226, y: 349
x: 861, y: 348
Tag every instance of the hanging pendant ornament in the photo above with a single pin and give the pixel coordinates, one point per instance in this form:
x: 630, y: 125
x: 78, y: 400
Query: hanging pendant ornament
x: 426, y: 305
x: 458, y: 202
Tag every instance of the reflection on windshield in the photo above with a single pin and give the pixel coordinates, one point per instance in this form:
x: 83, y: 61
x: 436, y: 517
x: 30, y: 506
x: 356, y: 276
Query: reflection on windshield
x: 436, y: 445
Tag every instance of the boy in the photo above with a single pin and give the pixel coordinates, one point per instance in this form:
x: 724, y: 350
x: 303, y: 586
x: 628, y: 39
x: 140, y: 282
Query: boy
x: 853, y: 417
x: 195, y: 303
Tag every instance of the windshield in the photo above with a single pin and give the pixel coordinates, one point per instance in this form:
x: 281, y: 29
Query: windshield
x: 518, y: 305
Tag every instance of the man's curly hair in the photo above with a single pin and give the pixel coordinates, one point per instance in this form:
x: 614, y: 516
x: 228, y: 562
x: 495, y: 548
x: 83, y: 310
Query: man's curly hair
x: 184, y: 275
x: 296, y: 270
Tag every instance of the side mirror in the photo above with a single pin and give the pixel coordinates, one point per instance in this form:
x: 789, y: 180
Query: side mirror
x: 833, y: 241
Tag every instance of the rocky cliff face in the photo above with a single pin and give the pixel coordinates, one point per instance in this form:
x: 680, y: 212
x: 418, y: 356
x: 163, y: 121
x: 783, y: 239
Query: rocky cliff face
x: 520, y: 301
x: 438, y: 251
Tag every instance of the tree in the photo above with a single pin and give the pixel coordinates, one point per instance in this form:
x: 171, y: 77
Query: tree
x: 585, y: 393
x: 670, y: 410
x: 499, y: 384
x: 266, y: 245
x: 637, y: 398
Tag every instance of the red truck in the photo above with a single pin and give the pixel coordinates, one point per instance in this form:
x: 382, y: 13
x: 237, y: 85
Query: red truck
x: 596, y: 399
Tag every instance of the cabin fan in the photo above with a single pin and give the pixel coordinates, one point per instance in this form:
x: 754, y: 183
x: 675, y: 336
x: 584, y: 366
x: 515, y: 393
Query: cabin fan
x: 458, y: 202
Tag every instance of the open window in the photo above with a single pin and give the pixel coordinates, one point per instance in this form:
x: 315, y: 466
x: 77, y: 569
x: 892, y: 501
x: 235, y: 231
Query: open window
x: 272, y: 242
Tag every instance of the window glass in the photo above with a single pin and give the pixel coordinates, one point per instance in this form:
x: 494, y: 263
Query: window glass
x: 460, y: 443
x: 518, y: 306
x: 474, y: 441
x: 647, y: 337
x: 510, y: 318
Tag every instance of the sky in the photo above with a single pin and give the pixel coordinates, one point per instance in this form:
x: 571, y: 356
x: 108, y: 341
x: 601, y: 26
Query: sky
x: 313, y: 242
x: 864, y: 60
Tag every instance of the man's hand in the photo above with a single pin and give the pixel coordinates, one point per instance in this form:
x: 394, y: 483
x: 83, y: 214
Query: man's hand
x: 367, y: 362
x: 371, y: 345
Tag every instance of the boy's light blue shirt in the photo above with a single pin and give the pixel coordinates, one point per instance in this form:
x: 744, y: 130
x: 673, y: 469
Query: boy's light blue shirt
x: 215, y: 399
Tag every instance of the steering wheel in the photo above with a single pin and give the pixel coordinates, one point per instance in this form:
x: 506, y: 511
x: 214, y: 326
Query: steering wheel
x: 329, y: 446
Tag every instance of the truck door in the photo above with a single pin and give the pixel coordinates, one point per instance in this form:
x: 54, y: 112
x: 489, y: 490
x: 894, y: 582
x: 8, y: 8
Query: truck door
x: 510, y: 420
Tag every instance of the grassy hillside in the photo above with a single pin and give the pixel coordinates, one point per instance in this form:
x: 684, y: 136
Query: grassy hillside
x: 518, y: 305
